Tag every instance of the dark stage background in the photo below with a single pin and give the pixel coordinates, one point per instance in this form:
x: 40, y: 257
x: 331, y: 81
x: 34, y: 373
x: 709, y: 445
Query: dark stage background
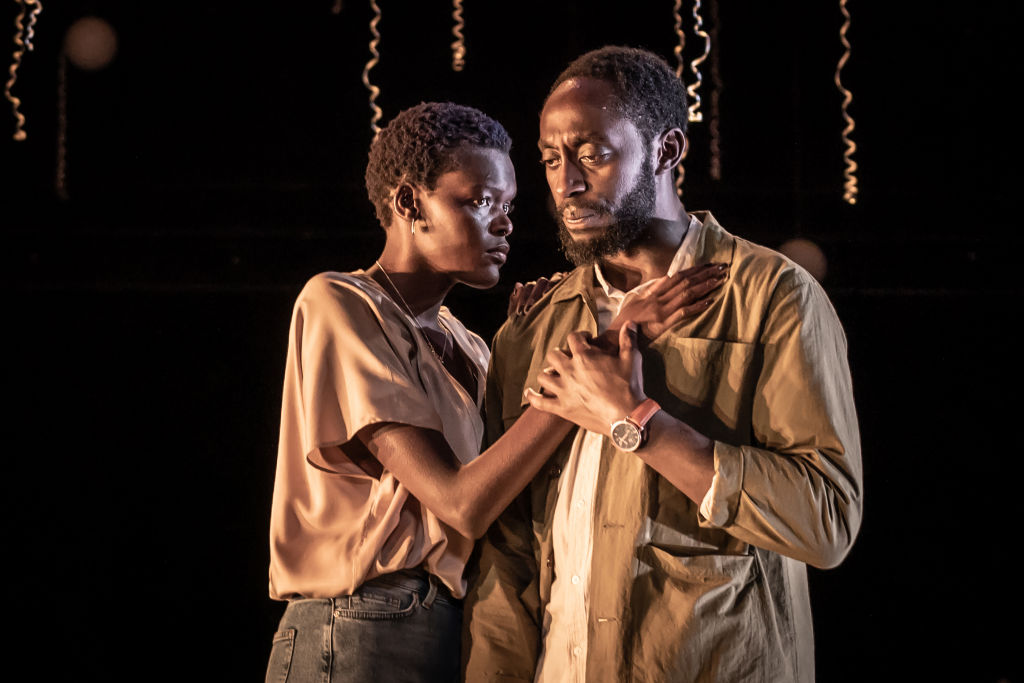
x: 217, y: 164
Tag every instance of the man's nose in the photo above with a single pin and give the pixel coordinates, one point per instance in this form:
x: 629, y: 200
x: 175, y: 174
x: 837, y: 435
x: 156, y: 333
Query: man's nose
x: 569, y: 181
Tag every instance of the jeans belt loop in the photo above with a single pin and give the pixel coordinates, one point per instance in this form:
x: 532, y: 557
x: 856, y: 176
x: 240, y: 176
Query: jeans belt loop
x: 428, y: 602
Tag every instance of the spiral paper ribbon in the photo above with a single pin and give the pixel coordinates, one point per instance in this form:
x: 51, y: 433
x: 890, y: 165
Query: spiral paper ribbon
x: 374, y: 90
x: 682, y: 38
x: 459, y: 46
x: 850, y: 186
x: 695, y: 115
x: 30, y: 28
x: 716, y: 92
x: 59, y: 185
x: 680, y: 169
x: 22, y: 45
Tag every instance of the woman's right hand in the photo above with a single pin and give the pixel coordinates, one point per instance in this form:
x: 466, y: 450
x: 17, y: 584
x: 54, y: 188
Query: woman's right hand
x: 673, y: 298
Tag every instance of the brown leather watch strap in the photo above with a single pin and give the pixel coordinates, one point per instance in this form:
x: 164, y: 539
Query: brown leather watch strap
x: 642, y: 414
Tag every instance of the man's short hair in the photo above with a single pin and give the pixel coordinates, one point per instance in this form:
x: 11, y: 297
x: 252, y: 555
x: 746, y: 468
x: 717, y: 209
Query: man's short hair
x: 649, y: 92
x: 420, y: 145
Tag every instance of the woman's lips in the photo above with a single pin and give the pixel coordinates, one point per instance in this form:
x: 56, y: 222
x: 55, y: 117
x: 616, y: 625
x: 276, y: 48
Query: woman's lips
x: 499, y: 254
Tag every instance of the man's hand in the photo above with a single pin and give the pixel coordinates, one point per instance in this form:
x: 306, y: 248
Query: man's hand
x: 673, y: 298
x: 525, y: 296
x: 591, y: 387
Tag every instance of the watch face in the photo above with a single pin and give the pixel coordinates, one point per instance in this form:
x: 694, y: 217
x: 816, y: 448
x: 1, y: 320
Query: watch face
x: 625, y: 436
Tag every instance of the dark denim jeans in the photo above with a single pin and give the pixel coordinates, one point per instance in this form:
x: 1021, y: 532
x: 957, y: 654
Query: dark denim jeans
x: 392, y: 629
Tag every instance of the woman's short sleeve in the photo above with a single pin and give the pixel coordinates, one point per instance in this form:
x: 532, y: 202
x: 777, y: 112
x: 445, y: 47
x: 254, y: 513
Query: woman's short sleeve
x: 350, y: 366
x: 355, y: 359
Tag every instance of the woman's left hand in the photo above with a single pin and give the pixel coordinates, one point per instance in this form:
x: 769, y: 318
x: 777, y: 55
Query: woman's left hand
x: 672, y: 299
x: 525, y: 296
x: 589, y: 386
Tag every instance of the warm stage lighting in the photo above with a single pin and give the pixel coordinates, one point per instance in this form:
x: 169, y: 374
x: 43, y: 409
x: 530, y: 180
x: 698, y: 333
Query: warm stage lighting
x: 90, y: 44
x: 807, y: 254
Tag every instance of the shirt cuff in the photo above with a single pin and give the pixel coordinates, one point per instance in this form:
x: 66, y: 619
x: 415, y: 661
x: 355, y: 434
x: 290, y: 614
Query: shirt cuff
x: 720, y: 503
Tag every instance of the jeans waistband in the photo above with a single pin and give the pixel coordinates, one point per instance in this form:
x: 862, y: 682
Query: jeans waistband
x: 418, y: 579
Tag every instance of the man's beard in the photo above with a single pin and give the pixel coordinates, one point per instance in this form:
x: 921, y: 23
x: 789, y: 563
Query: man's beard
x: 629, y: 222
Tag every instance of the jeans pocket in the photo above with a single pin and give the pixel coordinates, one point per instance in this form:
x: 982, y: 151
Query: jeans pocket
x: 378, y: 601
x: 281, y: 656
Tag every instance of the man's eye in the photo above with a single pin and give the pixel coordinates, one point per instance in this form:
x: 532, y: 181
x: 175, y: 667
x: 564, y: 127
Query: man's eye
x: 551, y: 163
x: 483, y: 201
x: 592, y: 158
x: 508, y: 208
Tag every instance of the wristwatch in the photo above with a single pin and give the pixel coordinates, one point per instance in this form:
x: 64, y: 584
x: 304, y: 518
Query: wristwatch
x: 630, y: 433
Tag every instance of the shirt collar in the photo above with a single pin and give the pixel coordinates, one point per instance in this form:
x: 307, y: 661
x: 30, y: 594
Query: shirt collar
x: 681, y: 261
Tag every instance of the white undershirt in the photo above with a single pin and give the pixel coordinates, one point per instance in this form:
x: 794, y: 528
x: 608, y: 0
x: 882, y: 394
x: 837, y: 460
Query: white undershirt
x: 563, y: 658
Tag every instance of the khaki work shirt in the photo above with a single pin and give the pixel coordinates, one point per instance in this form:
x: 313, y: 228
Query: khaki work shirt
x: 675, y: 596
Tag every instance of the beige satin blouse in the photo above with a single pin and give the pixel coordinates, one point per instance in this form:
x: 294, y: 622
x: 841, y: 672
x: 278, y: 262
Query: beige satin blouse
x: 354, y: 359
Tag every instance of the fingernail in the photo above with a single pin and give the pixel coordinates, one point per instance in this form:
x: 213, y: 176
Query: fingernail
x: 519, y: 310
x: 527, y: 309
x: 631, y: 326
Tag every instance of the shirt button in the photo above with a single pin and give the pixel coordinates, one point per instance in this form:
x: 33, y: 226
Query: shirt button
x: 575, y: 580
x: 337, y: 613
x: 577, y: 650
x: 579, y: 504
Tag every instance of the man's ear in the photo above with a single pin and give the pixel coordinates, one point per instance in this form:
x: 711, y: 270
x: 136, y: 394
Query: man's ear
x: 404, y: 203
x: 671, y: 149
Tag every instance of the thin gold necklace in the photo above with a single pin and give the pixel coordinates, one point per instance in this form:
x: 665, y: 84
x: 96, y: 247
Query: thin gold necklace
x: 415, y: 321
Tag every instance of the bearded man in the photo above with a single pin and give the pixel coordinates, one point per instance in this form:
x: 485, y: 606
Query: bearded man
x: 668, y: 539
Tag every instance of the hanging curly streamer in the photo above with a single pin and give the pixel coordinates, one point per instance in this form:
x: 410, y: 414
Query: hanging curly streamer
x: 458, y: 47
x: 29, y: 29
x: 716, y: 92
x: 850, y: 186
x: 62, y: 126
x: 682, y: 38
x: 680, y: 171
x: 19, y: 134
x: 694, y: 114
x: 374, y: 90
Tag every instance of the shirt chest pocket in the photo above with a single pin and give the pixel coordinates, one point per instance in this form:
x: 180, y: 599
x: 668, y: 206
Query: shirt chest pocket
x: 706, y: 383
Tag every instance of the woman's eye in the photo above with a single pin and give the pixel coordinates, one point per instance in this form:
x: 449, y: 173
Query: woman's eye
x: 508, y: 208
x: 483, y: 201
